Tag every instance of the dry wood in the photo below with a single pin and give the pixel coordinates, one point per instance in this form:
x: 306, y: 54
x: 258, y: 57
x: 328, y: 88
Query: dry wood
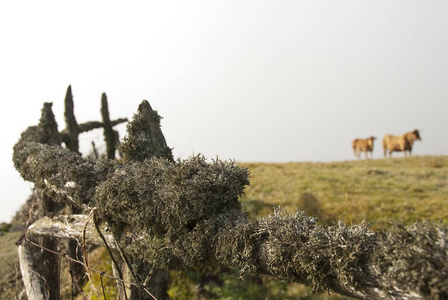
x: 70, y: 227
x: 34, y: 287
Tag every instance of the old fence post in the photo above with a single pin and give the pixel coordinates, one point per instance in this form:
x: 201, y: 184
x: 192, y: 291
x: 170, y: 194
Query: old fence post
x: 110, y: 135
x: 72, y: 142
x: 145, y: 140
x: 71, y: 139
x: 45, y: 263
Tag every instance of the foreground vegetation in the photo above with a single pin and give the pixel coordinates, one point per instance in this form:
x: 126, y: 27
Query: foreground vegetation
x: 379, y: 191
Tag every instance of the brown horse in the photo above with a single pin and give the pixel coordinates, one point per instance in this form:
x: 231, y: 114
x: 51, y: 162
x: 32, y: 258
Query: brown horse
x: 403, y: 142
x: 360, y: 145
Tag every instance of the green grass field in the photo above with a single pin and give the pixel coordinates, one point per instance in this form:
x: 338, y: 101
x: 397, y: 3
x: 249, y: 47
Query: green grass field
x: 380, y: 191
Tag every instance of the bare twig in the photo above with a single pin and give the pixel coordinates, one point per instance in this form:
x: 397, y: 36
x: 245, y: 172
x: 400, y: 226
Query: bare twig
x: 84, y: 244
x: 102, y: 285
x: 114, y: 261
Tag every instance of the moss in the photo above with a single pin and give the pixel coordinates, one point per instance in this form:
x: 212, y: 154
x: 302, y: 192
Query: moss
x: 48, y: 128
x: 145, y: 139
x: 181, y: 205
x: 238, y: 245
x: 167, y: 197
x: 295, y: 248
x: 55, y: 168
x: 415, y: 258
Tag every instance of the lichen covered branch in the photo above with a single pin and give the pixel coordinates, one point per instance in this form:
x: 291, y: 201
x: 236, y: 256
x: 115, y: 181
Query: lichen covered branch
x: 67, y: 175
x: 402, y: 262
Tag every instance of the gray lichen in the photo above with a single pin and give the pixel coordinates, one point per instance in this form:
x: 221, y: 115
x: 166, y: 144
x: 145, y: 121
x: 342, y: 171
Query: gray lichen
x: 39, y: 158
x: 179, y: 204
x: 402, y: 261
x: 415, y: 258
x: 144, y: 138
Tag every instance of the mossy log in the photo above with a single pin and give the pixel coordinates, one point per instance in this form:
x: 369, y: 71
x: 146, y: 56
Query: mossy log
x: 187, y: 214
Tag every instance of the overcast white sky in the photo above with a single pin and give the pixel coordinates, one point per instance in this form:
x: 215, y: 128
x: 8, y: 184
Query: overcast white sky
x: 271, y: 81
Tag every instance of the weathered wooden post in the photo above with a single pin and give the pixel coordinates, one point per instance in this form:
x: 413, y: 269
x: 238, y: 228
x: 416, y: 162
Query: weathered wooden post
x: 72, y: 130
x: 71, y: 139
x: 144, y: 140
x: 34, y: 287
x: 110, y: 135
x: 71, y: 125
x: 44, y: 262
x: 49, y: 262
x: 72, y: 142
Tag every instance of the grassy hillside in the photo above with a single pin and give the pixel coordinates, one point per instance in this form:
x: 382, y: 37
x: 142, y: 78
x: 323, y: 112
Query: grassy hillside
x: 10, y: 285
x: 379, y: 191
